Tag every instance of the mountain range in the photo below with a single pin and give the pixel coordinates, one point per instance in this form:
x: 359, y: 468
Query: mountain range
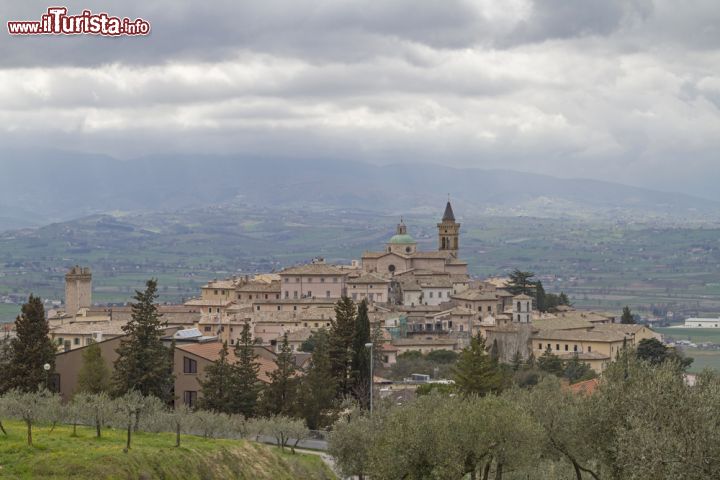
x: 40, y: 187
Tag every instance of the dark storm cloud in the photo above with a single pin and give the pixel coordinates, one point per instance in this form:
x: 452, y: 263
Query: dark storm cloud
x: 621, y: 90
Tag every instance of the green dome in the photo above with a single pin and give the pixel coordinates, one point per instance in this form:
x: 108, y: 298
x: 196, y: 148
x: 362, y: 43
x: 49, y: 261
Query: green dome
x: 402, y: 239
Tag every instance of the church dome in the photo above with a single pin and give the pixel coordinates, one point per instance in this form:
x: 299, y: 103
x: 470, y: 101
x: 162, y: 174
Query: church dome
x: 401, y: 239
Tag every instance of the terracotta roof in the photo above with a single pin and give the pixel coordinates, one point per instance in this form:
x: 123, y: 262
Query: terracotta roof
x: 313, y: 269
x: 199, y: 302
x: 562, y: 324
x: 474, y: 295
x: 106, y: 328
x: 255, y: 286
x: 367, y: 278
x: 587, y: 387
x: 628, y: 329
x: 211, y: 351
x: 580, y: 335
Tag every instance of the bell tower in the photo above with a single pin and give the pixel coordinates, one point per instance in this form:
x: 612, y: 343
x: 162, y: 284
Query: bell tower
x: 449, y: 232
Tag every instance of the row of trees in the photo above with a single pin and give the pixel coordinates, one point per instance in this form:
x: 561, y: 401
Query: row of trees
x: 643, y: 421
x: 134, y: 412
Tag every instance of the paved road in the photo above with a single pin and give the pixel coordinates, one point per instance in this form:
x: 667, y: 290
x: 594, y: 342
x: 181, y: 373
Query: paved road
x: 309, y: 443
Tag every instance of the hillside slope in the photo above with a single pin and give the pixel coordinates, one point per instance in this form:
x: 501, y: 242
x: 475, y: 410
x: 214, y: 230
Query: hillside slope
x: 45, y: 187
x: 58, y: 455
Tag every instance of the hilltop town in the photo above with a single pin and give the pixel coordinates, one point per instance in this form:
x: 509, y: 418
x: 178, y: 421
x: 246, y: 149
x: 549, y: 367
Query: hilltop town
x: 419, y: 300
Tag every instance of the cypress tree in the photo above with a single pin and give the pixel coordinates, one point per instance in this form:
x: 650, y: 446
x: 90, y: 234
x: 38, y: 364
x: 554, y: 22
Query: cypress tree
x: 280, y: 395
x: 246, y: 387
x: 342, y: 333
x: 217, y: 386
x: 94, y: 375
x: 31, y: 349
x: 143, y: 363
x: 627, y: 316
x: 540, y: 297
x: 361, y: 354
x: 475, y: 372
x: 317, y: 388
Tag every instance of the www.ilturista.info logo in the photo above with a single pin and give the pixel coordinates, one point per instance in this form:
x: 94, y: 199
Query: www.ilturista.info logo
x: 57, y: 22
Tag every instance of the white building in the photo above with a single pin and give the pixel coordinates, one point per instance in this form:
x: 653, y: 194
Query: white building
x: 702, y: 323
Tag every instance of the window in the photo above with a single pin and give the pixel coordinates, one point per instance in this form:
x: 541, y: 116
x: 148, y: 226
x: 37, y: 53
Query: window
x: 250, y: 297
x: 207, y: 328
x: 76, y: 341
x: 287, y: 280
x: 266, y: 296
x: 327, y: 293
x: 305, y: 324
x: 257, y: 307
x: 322, y: 279
x: 334, y: 279
x: 407, y: 249
x: 574, y: 348
x: 287, y: 294
x: 354, y: 296
x: 566, y: 347
x: 295, y: 294
x: 589, y: 348
x: 239, y: 296
x: 189, y: 365
x: 489, y: 308
x: 557, y: 346
x: 391, y: 268
x: 278, y: 307
x: 297, y: 279
x: 294, y: 307
x: 519, y: 309
x: 372, y: 296
x: 539, y: 346
x: 548, y: 347
x: 316, y: 324
x: 354, y: 286
x: 431, y: 294
x: 309, y: 294
x: 190, y: 398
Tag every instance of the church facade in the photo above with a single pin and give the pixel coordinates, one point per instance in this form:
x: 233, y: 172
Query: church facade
x: 401, y: 254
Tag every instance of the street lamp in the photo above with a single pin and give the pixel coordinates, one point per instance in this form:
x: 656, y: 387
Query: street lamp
x: 46, y: 367
x: 370, y: 346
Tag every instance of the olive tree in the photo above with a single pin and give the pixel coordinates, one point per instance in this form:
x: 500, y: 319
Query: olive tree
x: 30, y: 407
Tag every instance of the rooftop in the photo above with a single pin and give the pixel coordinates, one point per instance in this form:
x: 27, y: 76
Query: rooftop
x: 313, y: 269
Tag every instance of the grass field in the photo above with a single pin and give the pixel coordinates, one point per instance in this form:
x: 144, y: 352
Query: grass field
x: 695, y: 335
x: 58, y: 455
x: 702, y: 358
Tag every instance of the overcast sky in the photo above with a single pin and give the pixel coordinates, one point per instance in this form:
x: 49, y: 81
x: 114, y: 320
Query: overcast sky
x: 615, y: 90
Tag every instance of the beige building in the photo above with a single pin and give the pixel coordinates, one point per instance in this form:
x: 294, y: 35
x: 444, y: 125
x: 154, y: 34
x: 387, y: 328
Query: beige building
x: 368, y: 286
x: 75, y: 335
x: 191, y: 359
x: 314, y: 280
x: 596, y: 348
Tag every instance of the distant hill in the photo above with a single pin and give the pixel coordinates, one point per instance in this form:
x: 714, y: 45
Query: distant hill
x: 40, y: 187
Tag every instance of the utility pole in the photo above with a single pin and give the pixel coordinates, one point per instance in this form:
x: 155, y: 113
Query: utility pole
x: 370, y: 346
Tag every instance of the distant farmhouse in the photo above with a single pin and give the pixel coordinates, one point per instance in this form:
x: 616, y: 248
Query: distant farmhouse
x: 422, y: 300
x: 702, y: 323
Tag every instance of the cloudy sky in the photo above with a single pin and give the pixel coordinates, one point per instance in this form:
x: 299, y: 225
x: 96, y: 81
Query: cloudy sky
x: 616, y: 90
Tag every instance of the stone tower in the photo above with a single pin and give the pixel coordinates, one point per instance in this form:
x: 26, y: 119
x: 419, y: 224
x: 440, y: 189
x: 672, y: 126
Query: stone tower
x: 522, y: 309
x: 449, y: 232
x: 78, y: 289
